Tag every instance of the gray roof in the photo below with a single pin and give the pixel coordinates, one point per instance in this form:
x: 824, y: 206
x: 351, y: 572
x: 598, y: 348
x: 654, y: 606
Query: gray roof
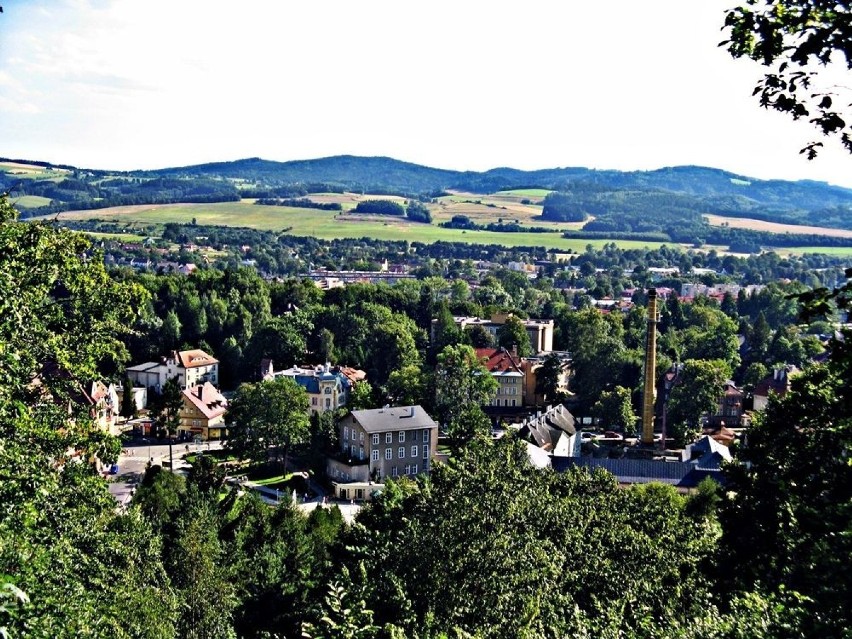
x: 379, y: 420
x: 643, y: 471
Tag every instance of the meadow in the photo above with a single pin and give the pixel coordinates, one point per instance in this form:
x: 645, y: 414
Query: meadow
x: 330, y: 225
x: 337, y: 225
x: 774, y: 227
x: 33, y: 172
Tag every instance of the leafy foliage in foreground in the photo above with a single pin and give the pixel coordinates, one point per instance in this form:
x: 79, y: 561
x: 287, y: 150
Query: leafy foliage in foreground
x: 86, y: 570
x: 497, y: 549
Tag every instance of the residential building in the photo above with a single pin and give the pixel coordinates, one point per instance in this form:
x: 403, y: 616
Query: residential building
x: 540, y: 331
x: 191, y: 368
x: 730, y: 410
x: 139, y: 394
x: 328, y: 386
x: 103, y: 402
x: 531, y: 367
x: 384, y: 442
x: 505, y: 367
x: 203, y: 413
x: 553, y: 432
x: 517, y: 377
x: 778, y: 383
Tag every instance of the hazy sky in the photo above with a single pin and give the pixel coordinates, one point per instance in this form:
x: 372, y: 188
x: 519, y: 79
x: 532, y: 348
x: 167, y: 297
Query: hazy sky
x: 469, y: 84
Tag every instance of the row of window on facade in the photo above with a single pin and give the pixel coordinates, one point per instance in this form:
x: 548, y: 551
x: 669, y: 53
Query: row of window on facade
x: 408, y: 469
x: 359, y: 436
x: 496, y: 402
x: 400, y: 452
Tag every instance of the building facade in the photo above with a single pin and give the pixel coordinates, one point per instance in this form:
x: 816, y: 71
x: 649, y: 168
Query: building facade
x: 203, y: 413
x: 190, y: 367
x: 385, y: 442
x: 540, y: 331
x: 328, y: 387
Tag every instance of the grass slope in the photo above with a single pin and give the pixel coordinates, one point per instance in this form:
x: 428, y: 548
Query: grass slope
x: 331, y: 225
x: 327, y: 225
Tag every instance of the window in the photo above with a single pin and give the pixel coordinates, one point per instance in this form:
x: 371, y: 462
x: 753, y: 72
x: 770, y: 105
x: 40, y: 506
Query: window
x: 408, y: 469
x: 375, y: 439
x: 513, y: 402
x: 313, y: 401
x: 352, y: 450
x: 414, y: 452
x: 361, y: 453
x: 401, y: 437
x: 425, y: 435
x: 328, y: 405
x: 388, y: 453
x: 361, y: 435
x: 425, y: 452
x: 400, y: 453
x: 388, y: 438
x: 414, y: 469
x: 394, y: 472
x: 346, y: 432
x: 374, y: 456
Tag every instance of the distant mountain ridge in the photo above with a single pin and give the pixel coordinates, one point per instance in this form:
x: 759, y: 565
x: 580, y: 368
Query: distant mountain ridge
x: 698, y: 189
x: 385, y: 172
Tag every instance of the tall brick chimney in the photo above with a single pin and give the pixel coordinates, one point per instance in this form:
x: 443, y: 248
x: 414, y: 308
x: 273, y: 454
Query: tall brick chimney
x: 650, y: 391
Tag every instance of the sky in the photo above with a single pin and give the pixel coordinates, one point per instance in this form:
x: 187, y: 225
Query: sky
x: 463, y: 84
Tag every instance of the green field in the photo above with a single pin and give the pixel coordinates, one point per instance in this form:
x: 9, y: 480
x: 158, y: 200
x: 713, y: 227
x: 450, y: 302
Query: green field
x: 525, y: 192
x: 124, y: 237
x: 327, y: 224
x: 32, y: 172
x: 330, y: 225
x: 30, y: 201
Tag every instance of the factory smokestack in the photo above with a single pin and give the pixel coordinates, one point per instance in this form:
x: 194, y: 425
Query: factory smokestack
x: 650, y: 371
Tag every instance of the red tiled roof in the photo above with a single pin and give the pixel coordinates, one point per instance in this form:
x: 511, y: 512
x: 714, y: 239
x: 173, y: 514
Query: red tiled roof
x: 196, y: 358
x: 498, y: 360
x: 207, y: 399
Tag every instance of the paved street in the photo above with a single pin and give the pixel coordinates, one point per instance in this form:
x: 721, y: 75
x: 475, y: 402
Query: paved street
x: 137, y: 453
x: 131, y: 466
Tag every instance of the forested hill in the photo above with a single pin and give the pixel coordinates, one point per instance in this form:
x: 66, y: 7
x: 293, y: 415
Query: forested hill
x: 692, y: 189
x: 383, y: 173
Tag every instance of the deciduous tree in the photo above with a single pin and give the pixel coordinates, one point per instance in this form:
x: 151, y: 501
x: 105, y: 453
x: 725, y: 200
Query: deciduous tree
x: 800, y: 42
x: 268, y: 415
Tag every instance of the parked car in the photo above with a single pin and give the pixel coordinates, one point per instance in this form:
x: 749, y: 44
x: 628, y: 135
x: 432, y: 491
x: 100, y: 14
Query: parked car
x: 611, y: 434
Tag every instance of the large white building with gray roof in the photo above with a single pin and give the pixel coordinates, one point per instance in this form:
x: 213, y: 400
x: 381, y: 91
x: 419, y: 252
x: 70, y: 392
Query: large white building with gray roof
x: 384, y: 442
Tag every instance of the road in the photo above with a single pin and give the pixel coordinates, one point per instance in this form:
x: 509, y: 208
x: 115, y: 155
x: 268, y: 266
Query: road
x: 138, y: 453
x: 135, y: 457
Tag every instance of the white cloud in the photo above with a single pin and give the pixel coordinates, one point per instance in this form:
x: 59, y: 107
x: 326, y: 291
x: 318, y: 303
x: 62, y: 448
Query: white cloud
x: 468, y: 85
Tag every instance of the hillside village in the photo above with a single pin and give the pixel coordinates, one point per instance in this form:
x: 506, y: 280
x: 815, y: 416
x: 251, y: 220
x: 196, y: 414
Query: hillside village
x: 269, y: 440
